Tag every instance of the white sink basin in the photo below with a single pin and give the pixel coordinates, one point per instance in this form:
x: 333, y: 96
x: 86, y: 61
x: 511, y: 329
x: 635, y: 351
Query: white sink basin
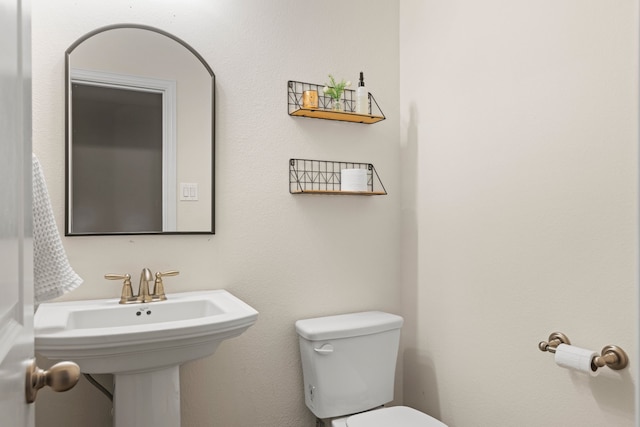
x: 102, y: 336
x: 143, y: 345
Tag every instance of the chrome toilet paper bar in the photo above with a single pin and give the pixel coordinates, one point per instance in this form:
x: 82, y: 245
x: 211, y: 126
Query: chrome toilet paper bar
x: 611, y: 355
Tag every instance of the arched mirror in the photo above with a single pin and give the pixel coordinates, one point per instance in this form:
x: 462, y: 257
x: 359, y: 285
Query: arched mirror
x: 139, y: 134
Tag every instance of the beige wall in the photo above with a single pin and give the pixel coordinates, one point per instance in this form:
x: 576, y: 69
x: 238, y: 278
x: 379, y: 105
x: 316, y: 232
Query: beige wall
x: 519, y: 142
x: 288, y: 256
x: 517, y: 170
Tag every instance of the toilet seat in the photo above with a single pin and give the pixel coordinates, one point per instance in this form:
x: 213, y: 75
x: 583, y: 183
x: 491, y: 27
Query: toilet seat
x: 400, y: 416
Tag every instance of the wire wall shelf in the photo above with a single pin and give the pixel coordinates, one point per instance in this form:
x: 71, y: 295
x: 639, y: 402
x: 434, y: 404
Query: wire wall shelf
x: 324, y: 177
x: 296, y: 106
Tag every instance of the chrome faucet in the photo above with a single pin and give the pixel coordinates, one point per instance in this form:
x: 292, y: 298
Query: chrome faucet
x: 143, y: 296
x: 143, y: 288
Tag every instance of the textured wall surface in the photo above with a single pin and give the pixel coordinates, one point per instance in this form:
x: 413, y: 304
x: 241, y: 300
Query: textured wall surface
x: 512, y: 206
x: 519, y: 144
x: 290, y: 257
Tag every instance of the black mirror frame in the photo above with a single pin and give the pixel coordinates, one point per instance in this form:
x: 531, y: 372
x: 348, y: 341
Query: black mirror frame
x: 67, y: 76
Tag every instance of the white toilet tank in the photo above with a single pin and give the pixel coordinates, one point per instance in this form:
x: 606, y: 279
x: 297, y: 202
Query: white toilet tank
x: 348, y: 361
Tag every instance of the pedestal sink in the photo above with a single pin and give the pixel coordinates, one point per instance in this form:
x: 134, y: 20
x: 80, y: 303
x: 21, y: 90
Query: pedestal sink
x: 143, y: 345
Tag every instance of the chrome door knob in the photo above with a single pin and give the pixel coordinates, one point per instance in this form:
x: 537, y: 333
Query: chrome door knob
x: 60, y: 377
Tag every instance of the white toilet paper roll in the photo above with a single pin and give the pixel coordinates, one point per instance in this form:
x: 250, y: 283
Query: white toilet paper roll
x: 353, y: 180
x: 576, y: 358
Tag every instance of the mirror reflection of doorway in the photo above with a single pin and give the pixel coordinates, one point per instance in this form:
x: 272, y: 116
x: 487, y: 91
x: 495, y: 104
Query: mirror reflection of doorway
x: 118, y: 135
x: 138, y: 56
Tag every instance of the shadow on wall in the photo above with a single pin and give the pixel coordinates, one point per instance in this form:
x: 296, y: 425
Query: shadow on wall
x: 420, y: 383
x: 612, y: 393
x: 419, y: 374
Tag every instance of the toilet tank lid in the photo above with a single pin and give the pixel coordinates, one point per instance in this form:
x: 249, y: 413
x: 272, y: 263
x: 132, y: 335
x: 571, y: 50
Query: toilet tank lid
x: 347, y: 325
x: 393, y: 416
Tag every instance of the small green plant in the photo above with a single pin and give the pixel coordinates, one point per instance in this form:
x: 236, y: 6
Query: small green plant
x: 333, y: 89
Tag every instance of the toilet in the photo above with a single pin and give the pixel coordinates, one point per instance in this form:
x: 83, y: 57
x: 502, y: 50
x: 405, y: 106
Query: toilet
x: 348, y: 366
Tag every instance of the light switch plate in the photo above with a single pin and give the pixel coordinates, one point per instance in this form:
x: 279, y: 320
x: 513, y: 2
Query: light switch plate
x: 188, y: 191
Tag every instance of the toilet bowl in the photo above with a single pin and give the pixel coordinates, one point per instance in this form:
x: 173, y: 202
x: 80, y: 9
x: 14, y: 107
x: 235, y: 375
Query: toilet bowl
x: 394, y: 416
x: 348, y: 368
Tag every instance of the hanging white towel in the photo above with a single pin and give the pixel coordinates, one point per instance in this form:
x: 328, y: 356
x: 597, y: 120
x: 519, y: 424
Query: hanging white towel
x: 53, y: 276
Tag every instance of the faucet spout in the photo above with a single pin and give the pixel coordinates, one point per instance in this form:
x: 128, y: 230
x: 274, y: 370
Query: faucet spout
x: 143, y: 289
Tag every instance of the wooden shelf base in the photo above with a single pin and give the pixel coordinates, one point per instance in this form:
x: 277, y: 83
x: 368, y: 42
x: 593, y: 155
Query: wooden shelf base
x: 338, y: 192
x: 336, y: 115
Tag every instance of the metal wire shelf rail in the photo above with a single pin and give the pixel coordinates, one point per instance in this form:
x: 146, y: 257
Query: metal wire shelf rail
x: 324, y: 177
x: 296, y: 89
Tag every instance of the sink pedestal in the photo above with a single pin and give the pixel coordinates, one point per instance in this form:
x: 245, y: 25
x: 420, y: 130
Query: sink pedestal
x: 147, y: 399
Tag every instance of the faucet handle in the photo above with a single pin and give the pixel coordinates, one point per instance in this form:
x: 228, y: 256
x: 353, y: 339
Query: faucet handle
x: 126, y: 296
x: 158, y: 286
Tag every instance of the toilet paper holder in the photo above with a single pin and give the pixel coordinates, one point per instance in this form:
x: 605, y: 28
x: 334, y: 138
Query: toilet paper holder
x: 611, y: 355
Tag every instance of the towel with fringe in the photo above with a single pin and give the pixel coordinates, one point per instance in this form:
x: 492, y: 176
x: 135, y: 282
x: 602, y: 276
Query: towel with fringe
x: 53, y: 276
